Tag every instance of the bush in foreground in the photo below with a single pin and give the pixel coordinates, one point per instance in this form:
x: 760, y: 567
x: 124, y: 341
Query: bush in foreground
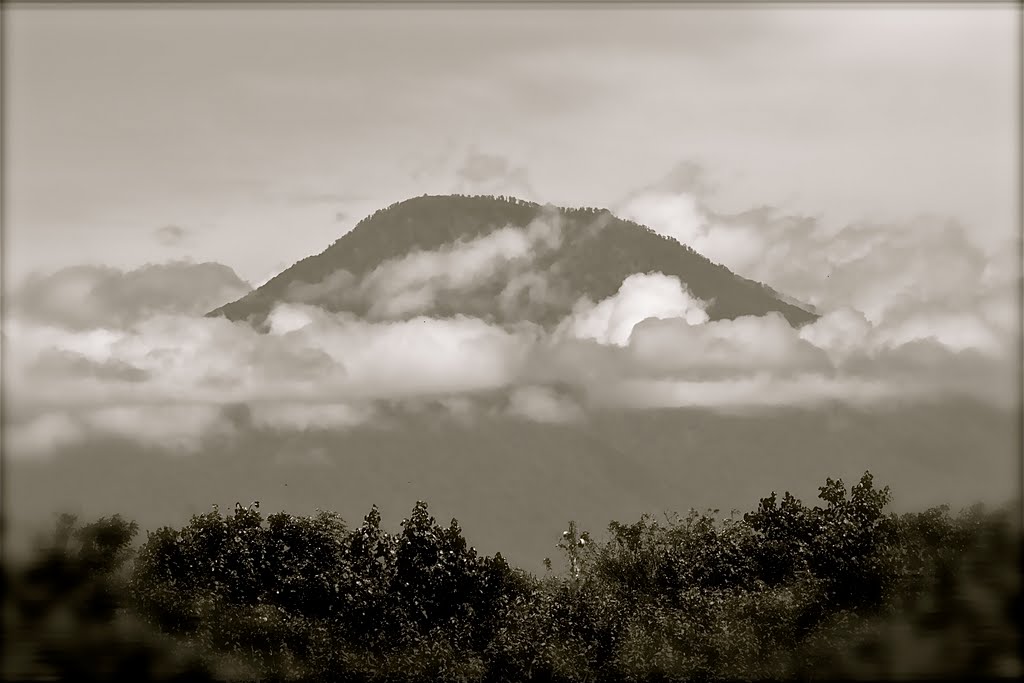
x: 841, y: 589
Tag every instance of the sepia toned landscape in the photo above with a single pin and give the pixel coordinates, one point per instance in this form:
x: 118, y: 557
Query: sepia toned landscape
x: 511, y: 343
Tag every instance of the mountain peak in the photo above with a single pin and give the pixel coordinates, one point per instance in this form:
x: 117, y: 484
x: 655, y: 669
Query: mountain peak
x: 503, y: 259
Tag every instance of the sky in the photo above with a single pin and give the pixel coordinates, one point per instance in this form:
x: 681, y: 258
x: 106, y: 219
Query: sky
x: 160, y: 162
x: 141, y: 135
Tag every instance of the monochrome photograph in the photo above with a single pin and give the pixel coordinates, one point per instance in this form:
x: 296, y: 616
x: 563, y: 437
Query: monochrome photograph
x: 509, y: 342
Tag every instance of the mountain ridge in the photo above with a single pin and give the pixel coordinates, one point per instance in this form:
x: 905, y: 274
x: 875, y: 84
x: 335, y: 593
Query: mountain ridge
x: 597, y: 251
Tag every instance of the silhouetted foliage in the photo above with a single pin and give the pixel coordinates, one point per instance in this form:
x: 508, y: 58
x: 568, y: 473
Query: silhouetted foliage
x: 299, y: 595
x: 841, y: 589
x: 65, y: 617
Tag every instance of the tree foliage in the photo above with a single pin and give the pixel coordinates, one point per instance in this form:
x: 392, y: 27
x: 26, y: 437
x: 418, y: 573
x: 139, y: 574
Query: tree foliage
x: 65, y: 615
x: 839, y: 589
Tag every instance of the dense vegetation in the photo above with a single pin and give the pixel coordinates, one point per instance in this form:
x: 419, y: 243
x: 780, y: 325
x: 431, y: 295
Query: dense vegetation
x: 597, y: 253
x: 841, y: 589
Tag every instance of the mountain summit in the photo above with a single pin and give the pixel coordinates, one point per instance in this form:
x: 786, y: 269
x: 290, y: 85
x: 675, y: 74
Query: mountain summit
x: 498, y: 258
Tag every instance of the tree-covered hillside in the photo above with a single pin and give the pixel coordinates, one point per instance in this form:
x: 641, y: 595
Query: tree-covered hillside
x: 595, y: 253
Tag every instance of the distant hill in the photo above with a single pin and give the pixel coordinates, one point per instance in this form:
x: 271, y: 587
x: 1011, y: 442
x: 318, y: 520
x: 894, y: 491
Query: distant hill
x: 597, y: 251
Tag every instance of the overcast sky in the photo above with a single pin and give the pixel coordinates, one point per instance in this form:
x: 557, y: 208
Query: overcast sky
x: 255, y: 136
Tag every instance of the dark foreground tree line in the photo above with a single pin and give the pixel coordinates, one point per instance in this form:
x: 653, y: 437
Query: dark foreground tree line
x: 841, y: 589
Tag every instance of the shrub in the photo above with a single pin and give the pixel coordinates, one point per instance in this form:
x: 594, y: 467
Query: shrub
x: 841, y: 589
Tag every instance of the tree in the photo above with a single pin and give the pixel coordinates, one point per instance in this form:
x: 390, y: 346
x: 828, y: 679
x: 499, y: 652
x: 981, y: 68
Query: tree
x: 65, y: 618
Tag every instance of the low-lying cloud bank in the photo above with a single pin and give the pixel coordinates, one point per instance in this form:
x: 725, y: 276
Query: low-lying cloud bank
x: 89, y: 296
x: 924, y: 277
x: 95, y: 352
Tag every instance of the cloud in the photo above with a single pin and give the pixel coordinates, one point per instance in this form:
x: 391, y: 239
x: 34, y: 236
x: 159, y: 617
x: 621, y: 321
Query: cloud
x: 303, y: 417
x: 171, y: 235
x: 641, y: 296
x: 744, y: 394
x: 650, y: 345
x: 921, y: 302
x: 336, y: 288
x: 910, y: 312
x: 543, y: 404
x: 41, y: 434
x: 313, y: 197
x: 309, y: 355
x: 492, y: 173
x: 414, y: 283
x: 841, y: 332
x: 83, y: 297
x: 531, y: 291
x: 182, y: 428
x: 56, y: 363
x: 425, y: 281
x: 479, y: 167
x: 175, y: 427
x: 884, y: 270
x: 174, y: 381
x: 765, y: 345
x: 419, y: 356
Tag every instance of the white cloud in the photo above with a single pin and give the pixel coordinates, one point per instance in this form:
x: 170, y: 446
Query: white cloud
x: 171, y: 427
x: 173, y: 381
x: 297, y: 416
x: 84, y: 297
x: 411, y: 284
x: 749, y: 344
x: 911, y: 312
x: 956, y: 330
x: 758, y: 391
x: 336, y: 286
x: 168, y: 380
x: 408, y: 357
x: 678, y: 216
x: 543, y: 404
x: 883, y: 270
x: 640, y: 296
x: 175, y: 427
x: 840, y: 332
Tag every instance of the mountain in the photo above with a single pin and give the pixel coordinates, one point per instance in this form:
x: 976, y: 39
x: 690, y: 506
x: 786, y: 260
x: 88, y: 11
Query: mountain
x: 594, y: 253
x: 513, y: 483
